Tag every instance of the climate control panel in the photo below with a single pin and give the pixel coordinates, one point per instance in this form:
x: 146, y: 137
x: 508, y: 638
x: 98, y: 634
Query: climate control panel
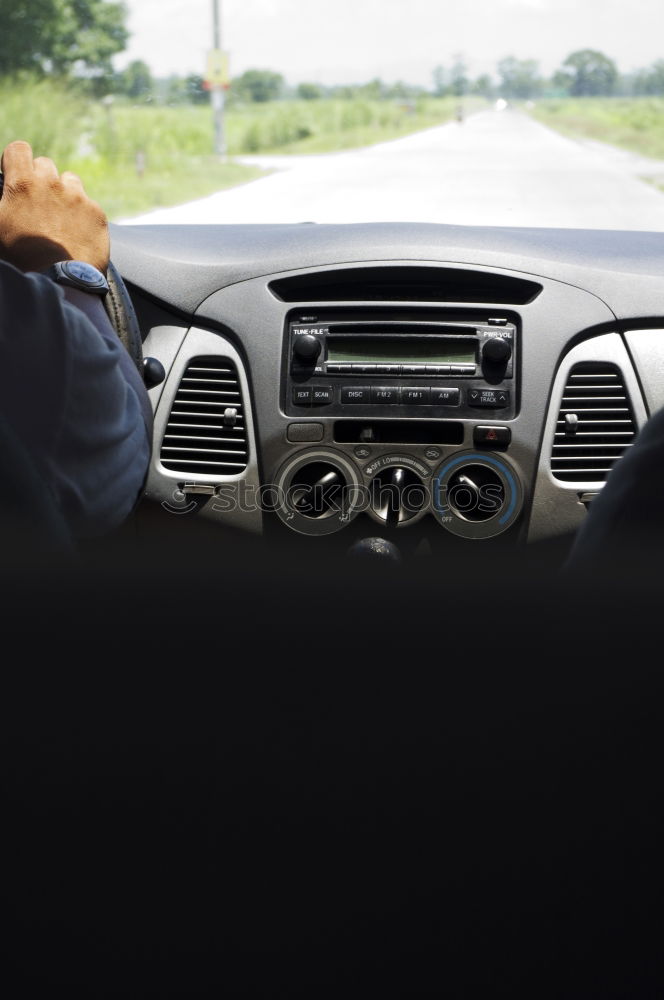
x: 471, y: 494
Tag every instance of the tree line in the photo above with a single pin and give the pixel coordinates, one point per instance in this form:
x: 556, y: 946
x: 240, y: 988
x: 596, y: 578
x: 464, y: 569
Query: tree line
x: 77, y: 40
x: 584, y: 73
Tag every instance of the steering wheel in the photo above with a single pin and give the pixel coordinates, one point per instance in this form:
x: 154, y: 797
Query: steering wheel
x: 122, y: 315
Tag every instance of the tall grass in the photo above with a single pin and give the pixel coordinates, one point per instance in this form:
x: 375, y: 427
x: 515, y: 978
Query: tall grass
x: 133, y: 158
x: 634, y: 123
x: 45, y: 113
x: 159, y: 133
x: 321, y: 126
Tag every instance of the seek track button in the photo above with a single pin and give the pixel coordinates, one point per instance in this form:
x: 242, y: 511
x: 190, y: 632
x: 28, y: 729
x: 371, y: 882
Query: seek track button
x: 494, y: 399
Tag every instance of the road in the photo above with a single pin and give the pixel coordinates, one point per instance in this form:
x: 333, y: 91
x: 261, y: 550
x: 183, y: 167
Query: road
x: 498, y: 168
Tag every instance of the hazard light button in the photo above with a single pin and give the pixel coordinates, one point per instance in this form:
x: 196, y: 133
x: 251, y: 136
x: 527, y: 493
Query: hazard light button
x: 492, y: 437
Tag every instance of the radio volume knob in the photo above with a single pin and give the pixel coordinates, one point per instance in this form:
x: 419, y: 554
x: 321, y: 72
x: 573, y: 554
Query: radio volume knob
x: 306, y: 348
x: 497, y: 351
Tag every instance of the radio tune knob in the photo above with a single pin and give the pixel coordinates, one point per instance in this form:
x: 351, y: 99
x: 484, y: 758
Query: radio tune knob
x: 306, y: 348
x: 497, y: 351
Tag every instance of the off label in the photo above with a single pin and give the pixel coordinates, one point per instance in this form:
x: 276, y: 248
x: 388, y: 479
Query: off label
x: 385, y: 461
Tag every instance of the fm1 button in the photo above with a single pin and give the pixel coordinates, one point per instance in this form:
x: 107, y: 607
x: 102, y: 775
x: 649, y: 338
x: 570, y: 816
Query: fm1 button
x: 492, y: 437
x: 415, y: 396
x: 322, y: 395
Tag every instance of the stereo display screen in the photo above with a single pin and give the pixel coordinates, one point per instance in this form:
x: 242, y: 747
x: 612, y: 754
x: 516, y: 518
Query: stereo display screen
x: 409, y: 351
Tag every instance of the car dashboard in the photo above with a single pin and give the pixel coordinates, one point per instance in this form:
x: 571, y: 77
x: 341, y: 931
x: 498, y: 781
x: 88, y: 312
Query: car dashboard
x: 433, y: 386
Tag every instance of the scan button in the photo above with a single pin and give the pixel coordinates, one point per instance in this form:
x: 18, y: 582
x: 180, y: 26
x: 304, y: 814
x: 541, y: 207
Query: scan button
x: 322, y: 395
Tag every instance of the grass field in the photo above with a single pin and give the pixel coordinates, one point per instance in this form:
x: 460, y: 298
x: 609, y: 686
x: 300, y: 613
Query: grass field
x: 636, y: 124
x: 134, y: 158
x: 325, y: 125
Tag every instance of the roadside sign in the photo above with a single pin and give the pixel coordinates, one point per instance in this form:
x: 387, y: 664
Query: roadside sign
x: 217, y: 71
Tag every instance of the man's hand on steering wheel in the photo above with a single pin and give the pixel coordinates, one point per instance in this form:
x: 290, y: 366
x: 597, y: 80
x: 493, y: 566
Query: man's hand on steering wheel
x: 46, y: 217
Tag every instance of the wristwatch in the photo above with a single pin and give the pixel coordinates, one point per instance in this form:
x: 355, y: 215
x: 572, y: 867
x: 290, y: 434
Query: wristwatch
x: 78, y: 274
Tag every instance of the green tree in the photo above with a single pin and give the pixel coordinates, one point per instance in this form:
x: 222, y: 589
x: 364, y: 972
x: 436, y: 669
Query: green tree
x: 483, y: 86
x: 519, y: 78
x: 258, y: 85
x: 65, y: 37
x: 651, y: 80
x: 374, y: 90
x: 171, y: 89
x: 195, y: 86
x: 136, y: 81
x: 441, y: 82
x: 588, y: 73
x: 401, y: 91
x: 459, y: 76
x: 309, y: 91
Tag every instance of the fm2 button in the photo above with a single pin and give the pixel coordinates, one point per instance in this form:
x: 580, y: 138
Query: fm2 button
x: 386, y: 394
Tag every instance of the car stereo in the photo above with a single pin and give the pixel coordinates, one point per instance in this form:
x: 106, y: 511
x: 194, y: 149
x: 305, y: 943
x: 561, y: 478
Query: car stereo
x: 340, y: 366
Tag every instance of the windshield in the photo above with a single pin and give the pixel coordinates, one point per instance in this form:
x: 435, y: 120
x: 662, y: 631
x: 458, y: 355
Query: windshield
x: 479, y: 112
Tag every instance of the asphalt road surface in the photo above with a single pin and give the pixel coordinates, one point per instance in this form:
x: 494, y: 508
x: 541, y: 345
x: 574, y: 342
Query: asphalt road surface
x: 498, y: 168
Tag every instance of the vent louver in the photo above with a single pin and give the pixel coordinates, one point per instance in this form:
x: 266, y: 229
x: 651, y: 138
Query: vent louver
x: 595, y: 425
x: 206, y: 431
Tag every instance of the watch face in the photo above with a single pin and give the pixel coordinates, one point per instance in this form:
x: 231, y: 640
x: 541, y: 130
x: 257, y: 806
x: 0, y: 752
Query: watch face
x: 83, y: 272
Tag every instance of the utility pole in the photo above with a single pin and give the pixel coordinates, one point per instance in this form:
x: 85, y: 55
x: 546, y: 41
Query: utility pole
x: 217, y: 90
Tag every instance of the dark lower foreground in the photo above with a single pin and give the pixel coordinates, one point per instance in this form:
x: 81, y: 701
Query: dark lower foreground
x: 270, y: 779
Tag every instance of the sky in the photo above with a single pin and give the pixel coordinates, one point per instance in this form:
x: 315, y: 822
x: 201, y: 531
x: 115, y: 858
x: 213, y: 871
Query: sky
x: 352, y: 41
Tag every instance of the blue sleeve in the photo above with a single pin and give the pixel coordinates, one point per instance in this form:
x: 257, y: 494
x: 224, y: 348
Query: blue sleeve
x: 75, y: 401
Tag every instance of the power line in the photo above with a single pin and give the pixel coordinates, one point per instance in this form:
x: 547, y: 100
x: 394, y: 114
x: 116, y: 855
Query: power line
x: 217, y: 92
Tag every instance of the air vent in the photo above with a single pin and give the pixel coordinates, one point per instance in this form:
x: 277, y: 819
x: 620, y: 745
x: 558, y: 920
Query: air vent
x: 405, y: 284
x: 206, y: 432
x: 595, y: 425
